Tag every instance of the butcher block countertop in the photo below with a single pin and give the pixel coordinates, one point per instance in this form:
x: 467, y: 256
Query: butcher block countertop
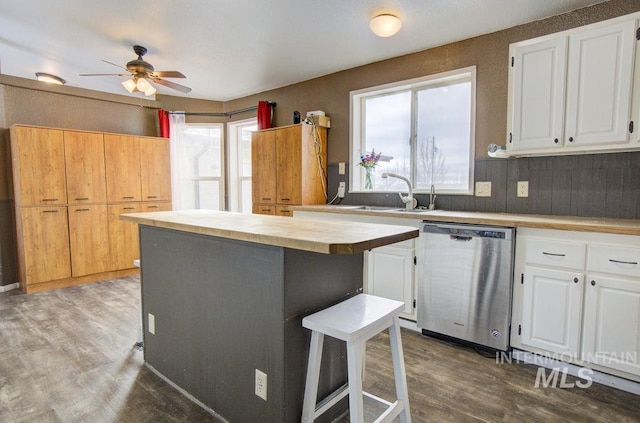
x: 572, y: 223
x: 300, y: 234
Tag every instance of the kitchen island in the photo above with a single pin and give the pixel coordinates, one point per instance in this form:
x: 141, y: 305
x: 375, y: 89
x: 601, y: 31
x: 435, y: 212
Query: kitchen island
x: 224, y: 294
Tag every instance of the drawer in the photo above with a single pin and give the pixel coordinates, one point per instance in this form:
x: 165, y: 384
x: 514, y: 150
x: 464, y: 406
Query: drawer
x: 624, y: 261
x: 566, y: 255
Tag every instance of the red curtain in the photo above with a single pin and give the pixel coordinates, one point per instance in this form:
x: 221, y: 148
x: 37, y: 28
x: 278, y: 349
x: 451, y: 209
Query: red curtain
x: 163, y: 120
x: 265, y: 115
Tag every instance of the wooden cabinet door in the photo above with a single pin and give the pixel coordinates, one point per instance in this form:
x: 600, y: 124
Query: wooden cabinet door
x: 38, y: 160
x: 122, y: 163
x: 552, y: 310
x: 611, y: 332
x: 155, y: 169
x: 123, y: 236
x: 45, y: 244
x: 264, y: 209
x: 537, y: 95
x: 85, y: 171
x: 390, y: 272
x: 88, y: 239
x: 289, y: 165
x: 599, y: 83
x: 263, y: 167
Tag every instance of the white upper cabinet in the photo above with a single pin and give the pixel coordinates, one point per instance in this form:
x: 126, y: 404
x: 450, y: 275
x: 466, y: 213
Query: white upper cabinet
x: 572, y: 91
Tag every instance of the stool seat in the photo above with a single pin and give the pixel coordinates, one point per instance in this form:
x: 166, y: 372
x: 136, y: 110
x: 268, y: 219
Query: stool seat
x: 355, y: 321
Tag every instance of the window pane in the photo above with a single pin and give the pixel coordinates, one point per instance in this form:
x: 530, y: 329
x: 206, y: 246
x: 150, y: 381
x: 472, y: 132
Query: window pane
x: 388, y: 131
x: 204, y: 150
x: 443, y: 137
x: 245, y: 193
x: 244, y: 150
x: 208, y: 195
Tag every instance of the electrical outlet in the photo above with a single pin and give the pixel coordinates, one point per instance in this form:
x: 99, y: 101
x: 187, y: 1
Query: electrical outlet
x: 341, y: 168
x: 261, y: 384
x: 483, y: 189
x: 341, y: 188
x: 523, y: 188
x: 151, y: 323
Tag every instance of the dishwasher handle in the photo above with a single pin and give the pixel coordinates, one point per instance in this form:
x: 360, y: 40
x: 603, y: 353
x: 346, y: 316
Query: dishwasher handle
x: 460, y: 238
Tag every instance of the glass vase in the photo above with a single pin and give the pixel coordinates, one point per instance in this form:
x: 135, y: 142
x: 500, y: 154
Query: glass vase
x: 369, y: 177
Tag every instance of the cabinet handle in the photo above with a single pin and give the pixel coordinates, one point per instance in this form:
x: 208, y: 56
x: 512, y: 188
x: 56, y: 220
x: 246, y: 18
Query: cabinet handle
x: 50, y: 211
x: 153, y: 207
x: 266, y: 210
x: 82, y: 199
x: 127, y: 198
x: 152, y: 196
x: 555, y: 140
x: 82, y: 210
x: 553, y: 254
x: 266, y: 198
x: 575, y: 280
x: 49, y: 199
x: 285, y: 199
x: 623, y: 262
x: 128, y: 208
x: 570, y: 139
x: 593, y: 283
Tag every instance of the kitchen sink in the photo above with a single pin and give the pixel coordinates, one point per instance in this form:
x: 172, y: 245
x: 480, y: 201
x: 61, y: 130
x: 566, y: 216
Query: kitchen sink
x: 392, y: 209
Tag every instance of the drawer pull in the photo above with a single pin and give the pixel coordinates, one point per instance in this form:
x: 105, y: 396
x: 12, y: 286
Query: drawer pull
x: 152, y: 196
x: 128, y: 208
x: 82, y: 199
x: 575, y: 280
x: 553, y: 254
x: 266, y: 199
x: 127, y: 198
x: 82, y: 210
x: 285, y: 199
x: 153, y: 207
x: 593, y: 283
x: 622, y: 261
x: 50, y: 211
x: 49, y: 199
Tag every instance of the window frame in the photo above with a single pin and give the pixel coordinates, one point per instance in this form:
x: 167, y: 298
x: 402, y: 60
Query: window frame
x: 357, y: 122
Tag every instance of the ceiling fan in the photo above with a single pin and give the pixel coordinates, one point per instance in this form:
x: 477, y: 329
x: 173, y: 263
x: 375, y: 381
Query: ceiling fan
x: 141, y: 72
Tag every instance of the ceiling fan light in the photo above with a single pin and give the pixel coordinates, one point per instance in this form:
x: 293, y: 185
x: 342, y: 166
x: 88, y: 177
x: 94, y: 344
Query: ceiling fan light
x: 143, y: 85
x: 51, y: 79
x: 150, y: 91
x: 129, y: 85
x: 385, y: 25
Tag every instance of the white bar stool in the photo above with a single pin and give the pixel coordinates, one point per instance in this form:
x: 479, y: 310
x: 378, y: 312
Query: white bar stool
x: 355, y: 321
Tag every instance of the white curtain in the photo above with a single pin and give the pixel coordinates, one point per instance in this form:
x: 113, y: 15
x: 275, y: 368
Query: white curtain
x: 176, y: 143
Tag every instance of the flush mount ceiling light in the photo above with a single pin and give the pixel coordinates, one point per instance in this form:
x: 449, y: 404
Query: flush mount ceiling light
x: 385, y: 25
x: 51, y: 79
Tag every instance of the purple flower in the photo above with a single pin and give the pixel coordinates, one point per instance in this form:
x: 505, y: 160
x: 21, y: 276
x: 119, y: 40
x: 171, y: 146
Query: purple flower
x: 369, y: 160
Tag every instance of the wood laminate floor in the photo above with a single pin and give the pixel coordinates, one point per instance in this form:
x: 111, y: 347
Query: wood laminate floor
x: 67, y: 356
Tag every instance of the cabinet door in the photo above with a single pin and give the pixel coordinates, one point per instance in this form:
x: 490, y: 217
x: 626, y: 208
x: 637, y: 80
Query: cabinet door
x: 264, y: 209
x: 390, y: 273
x: 45, y: 239
x: 537, y: 91
x: 155, y: 169
x: 289, y: 165
x: 123, y: 236
x: 263, y: 167
x: 88, y: 239
x: 284, y: 211
x: 599, y: 85
x: 552, y: 310
x: 122, y: 162
x: 84, y: 156
x: 38, y: 160
x: 611, y: 332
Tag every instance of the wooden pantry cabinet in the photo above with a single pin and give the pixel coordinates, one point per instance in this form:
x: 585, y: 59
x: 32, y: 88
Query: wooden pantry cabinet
x: 288, y: 167
x: 71, y: 187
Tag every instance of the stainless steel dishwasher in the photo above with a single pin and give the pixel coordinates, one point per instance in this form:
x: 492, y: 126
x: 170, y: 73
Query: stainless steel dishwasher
x: 464, y: 282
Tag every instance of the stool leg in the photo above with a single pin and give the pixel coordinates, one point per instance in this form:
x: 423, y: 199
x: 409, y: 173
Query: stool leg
x: 355, y: 352
x: 402, y: 391
x: 313, y: 376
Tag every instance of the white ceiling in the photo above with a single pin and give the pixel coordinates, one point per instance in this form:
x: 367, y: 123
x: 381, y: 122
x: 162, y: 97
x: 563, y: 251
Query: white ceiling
x: 232, y: 48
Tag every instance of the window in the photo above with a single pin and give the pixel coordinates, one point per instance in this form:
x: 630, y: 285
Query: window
x: 240, y: 164
x: 197, y: 155
x: 424, y: 130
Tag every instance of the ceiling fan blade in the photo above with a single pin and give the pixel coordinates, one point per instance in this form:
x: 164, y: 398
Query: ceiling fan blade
x: 167, y: 74
x: 104, y: 74
x: 173, y: 85
x: 111, y: 63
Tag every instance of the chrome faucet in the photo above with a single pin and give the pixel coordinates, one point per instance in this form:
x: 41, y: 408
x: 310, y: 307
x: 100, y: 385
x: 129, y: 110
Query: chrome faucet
x: 409, y: 201
x: 432, y: 198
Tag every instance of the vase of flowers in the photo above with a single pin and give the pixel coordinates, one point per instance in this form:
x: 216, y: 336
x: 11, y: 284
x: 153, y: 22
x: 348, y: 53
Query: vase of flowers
x: 369, y: 161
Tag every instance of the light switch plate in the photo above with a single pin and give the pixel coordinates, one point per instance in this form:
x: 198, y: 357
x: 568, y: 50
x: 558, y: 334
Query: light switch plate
x: 483, y: 189
x: 341, y: 168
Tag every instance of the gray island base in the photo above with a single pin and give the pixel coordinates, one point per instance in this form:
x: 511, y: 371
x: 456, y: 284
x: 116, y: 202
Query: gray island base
x: 223, y: 306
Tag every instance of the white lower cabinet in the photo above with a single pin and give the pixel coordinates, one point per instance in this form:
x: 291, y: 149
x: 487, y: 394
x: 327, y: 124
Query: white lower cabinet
x: 552, y: 310
x: 390, y: 274
x: 576, y: 298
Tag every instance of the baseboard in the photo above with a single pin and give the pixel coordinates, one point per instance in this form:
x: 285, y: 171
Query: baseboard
x: 11, y: 286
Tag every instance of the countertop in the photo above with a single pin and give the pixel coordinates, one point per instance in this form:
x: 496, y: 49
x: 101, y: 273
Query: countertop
x: 301, y: 234
x: 573, y: 223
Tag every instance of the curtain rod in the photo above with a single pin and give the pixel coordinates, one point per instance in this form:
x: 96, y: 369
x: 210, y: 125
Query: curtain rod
x: 223, y: 114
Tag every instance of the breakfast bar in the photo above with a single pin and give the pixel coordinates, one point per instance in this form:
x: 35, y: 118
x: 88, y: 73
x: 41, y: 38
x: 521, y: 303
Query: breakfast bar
x: 224, y: 294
